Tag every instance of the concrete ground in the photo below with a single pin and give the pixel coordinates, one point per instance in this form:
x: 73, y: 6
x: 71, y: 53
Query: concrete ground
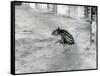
x: 36, y: 50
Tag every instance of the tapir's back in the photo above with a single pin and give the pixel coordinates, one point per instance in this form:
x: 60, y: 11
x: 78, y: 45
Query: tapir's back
x: 67, y: 37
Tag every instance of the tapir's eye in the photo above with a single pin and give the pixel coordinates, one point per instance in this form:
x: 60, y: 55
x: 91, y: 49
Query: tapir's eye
x: 56, y: 31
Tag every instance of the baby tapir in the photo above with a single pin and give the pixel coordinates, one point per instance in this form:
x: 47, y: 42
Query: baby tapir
x: 66, y: 37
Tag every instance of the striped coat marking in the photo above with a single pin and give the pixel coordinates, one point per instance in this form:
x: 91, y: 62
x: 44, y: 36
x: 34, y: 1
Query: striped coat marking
x: 66, y: 37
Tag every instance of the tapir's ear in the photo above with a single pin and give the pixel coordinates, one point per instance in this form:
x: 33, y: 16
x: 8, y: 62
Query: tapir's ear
x: 58, y: 28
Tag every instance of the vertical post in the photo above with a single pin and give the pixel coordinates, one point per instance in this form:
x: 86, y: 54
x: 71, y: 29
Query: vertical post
x: 90, y: 19
x: 55, y: 8
x: 36, y: 5
x: 48, y: 7
x: 68, y: 10
x: 90, y: 15
x: 86, y: 11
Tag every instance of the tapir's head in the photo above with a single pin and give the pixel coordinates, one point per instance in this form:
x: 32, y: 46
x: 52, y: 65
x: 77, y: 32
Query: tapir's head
x: 56, y: 31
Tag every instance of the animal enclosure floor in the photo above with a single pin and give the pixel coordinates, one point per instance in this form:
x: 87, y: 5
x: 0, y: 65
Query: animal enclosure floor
x: 36, y: 50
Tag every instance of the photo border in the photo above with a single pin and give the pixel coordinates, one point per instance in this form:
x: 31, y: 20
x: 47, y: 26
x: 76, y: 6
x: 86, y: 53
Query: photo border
x: 13, y: 38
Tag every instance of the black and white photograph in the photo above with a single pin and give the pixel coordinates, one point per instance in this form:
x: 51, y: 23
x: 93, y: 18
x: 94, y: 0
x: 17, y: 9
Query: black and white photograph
x: 53, y: 37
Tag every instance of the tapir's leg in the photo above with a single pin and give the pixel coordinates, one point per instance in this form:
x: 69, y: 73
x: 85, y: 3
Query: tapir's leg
x: 60, y: 41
